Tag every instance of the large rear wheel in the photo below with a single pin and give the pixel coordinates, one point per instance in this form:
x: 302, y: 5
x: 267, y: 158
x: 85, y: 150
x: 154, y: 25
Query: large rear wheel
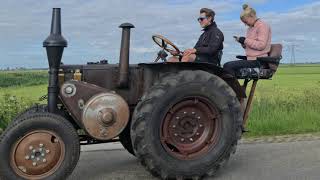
x: 186, y: 125
x: 39, y: 146
x: 125, y: 139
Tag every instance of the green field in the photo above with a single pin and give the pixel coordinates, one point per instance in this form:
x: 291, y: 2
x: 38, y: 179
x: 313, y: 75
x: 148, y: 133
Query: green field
x: 22, y: 78
x: 287, y: 104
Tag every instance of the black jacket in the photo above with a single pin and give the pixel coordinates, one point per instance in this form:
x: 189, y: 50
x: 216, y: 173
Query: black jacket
x: 210, y: 44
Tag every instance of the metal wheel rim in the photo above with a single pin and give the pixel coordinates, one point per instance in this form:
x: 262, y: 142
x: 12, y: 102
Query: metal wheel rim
x: 37, y: 155
x: 190, y: 128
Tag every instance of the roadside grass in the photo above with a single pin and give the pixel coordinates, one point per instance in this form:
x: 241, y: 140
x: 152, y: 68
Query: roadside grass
x: 285, y: 114
x: 30, y: 93
x: 287, y: 104
x: 14, y: 100
x: 18, y: 91
x: 10, y: 106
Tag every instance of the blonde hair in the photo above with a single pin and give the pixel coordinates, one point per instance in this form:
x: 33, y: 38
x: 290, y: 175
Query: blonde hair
x: 247, y: 11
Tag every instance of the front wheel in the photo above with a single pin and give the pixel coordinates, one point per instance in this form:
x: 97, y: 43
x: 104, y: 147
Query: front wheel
x: 186, y: 125
x: 39, y: 146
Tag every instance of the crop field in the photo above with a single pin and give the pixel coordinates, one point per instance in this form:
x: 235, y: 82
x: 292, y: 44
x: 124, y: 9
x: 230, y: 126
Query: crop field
x: 287, y: 104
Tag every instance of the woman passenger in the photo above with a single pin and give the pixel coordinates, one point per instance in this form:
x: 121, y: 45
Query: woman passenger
x: 257, y: 42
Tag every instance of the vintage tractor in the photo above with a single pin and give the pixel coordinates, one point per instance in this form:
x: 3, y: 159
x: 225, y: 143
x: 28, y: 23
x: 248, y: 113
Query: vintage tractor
x: 181, y: 120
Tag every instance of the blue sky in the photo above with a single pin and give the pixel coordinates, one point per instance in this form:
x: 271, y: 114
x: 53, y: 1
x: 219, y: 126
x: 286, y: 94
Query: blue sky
x: 91, y: 28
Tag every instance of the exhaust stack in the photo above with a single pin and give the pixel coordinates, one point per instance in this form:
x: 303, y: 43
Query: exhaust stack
x: 54, y: 44
x: 124, y: 55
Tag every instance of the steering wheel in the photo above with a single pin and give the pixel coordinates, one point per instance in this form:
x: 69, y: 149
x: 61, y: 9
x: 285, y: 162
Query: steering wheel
x: 166, y: 45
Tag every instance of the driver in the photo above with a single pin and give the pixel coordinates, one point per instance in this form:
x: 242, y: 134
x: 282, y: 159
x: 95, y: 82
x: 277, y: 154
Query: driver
x: 210, y: 44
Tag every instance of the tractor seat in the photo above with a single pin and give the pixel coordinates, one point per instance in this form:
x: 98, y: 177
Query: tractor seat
x: 269, y: 65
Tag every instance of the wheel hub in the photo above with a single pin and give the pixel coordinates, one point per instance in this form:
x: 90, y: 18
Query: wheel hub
x: 37, y: 154
x: 190, y: 128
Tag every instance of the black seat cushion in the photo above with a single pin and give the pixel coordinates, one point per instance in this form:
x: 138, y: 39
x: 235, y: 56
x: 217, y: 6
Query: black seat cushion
x: 248, y: 73
x: 269, y: 65
x: 254, y: 73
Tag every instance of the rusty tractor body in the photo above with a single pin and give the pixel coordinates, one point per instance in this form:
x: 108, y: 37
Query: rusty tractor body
x: 181, y: 120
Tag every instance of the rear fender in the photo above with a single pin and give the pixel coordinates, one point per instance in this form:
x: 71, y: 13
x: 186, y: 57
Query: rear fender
x: 152, y: 72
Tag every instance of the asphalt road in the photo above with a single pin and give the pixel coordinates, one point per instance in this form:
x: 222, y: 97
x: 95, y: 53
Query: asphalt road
x: 257, y: 161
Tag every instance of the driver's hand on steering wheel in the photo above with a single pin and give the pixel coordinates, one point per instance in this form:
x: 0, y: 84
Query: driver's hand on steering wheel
x: 173, y: 52
x: 188, y: 52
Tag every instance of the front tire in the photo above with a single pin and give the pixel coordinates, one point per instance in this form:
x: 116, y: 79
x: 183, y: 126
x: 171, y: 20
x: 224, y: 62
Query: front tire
x: 39, y: 146
x: 37, y: 108
x: 186, y: 125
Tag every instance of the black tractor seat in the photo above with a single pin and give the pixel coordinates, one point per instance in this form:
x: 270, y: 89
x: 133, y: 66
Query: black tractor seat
x: 268, y: 65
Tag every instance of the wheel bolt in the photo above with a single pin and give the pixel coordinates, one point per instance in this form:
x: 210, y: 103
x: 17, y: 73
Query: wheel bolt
x: 47, y: 151
x: 27, y: 157
x: 200, y: 125
x: 182, y: 139
x: 193, y: 113
x: 44, y: 160
x: 42, y: 154
x: 56, y: 140
x: 34, y: 164
x: 41, y: 145
x: 197, y: 134
x: 38, y: 159
x: 175, y: 134
x: 40, y: 149
x: 177, y: 117
x: 30, y: 147
x: 32, y: 157
x: 191, y: 139
x: 184, y: 112
x: 34, y: 151
x: 198, y: 117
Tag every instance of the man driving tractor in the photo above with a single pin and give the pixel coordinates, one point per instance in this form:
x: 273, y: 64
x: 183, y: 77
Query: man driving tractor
x: 210, y: 44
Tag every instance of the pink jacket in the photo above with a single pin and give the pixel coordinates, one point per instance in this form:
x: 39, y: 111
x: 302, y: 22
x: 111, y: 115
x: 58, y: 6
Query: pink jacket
x: 258, y: 40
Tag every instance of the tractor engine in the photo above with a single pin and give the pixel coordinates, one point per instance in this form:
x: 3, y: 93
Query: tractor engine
x: 102, y: 113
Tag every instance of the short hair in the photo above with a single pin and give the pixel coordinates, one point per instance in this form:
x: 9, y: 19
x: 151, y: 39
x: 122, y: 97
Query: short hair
x: 208, y: 12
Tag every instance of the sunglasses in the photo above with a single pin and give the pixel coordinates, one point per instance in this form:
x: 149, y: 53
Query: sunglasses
x: 202, y: 18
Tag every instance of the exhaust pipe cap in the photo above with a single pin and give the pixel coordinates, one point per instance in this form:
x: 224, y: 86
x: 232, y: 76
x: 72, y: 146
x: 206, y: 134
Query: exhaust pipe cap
x: 126, y: 25
x: 55, y: 38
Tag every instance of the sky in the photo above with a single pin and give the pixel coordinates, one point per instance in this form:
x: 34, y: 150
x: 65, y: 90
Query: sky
x: 92, y: 28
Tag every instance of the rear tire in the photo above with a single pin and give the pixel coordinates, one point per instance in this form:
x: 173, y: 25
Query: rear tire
x: 184, y: 160
x: 125, y: 139
x: 39, y: 146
